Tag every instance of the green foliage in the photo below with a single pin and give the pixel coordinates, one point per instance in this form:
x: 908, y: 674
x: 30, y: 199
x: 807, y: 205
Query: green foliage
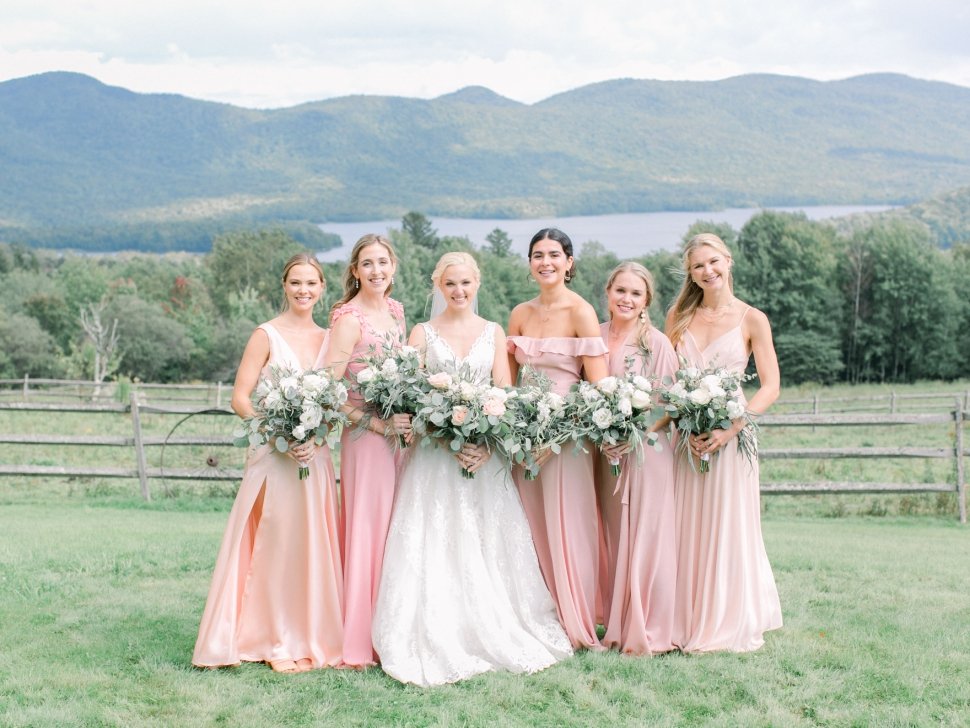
x: 154, y: 347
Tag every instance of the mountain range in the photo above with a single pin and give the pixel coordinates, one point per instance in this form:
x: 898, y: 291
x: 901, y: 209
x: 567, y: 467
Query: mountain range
x: 94, y: 166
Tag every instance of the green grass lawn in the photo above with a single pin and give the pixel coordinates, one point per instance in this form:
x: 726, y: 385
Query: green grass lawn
x: 100, y: 597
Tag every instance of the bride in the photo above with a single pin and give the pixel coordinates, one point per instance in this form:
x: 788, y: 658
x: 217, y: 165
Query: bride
x: 461, y: 592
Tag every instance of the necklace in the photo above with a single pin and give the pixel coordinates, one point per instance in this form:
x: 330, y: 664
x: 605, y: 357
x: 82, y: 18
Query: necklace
x: 713, y: 314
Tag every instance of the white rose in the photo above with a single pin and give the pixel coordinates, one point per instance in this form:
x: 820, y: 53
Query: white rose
x: 607, y: 385
x: 588, y: 393
x: 365, y: 375
x: 497, y: 393
x: 272, y: 399
x: 262, y: 389
x: 289, y: 383
x: 642, y: 383
x: 299, y: 432
x: 692, y: 372
x: 544, y: 412
x: 467, y: 391
x: 626, y: 390
x: 602, y: 418
x: 625, y: 406
x: 408, y: 351
x: 555, y: 401
x: 640, y: 400
x: 699, y: 396
x: 735, y: 409
x: 389, y: 367
x: 311, y: 416
x: 440, y: 380
x: 677, y: 390
x: 313, y: 383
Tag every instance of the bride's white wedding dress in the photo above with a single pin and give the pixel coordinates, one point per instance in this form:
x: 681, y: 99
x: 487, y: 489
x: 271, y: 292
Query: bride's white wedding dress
x: 461, y: 592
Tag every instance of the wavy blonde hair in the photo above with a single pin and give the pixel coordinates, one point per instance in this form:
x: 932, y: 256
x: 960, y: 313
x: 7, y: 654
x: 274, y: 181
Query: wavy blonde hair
x: 350, y: 280
x: 302, y: 259
x: 641, y: 272
x: 690, y: 295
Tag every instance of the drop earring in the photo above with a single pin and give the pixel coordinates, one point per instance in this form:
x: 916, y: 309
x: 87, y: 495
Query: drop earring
x: 356, y: 283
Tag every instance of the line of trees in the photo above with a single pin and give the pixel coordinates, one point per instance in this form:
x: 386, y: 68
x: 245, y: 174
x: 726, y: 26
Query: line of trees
x: 879, y: 301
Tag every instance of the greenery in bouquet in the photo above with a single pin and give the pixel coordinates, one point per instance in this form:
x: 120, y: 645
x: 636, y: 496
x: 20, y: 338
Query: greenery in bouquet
x: 392, y: 382
x: 616, y: 410
x: 293, y: 407
x: 703, y: 400
x: 538, y: 421
x: 453, y: 411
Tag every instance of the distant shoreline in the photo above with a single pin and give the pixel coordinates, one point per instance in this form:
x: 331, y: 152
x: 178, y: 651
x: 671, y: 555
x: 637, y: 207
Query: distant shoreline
x: 627, y: 235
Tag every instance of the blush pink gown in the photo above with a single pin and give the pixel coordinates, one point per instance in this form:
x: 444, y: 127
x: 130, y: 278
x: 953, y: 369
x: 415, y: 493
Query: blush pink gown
x: 277, y: 588
x: 637, y: 511
x: 726, y: 595
x: 368, y: 473
x: 561, y: 503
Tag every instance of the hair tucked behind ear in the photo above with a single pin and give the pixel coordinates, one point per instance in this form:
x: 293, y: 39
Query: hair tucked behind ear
x: 690, y: 295
x: 644, y: 325
x: 301, y: 259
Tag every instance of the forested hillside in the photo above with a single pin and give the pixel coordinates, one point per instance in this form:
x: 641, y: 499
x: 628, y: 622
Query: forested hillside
x: 863, y: 299
x: 95, y: 167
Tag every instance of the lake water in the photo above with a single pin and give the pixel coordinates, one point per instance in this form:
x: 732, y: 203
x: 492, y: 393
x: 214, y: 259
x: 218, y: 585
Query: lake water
x: 627, y: 235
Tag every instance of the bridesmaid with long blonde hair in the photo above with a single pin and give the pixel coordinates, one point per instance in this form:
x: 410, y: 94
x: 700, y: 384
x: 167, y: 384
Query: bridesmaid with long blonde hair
x: 277, y: 588
x: 364, y: 320
x: 637, y: 508
x: 557, y: 333
x: 726, y: 595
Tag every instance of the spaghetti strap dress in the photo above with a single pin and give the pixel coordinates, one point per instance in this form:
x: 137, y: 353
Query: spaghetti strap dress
x: 368, y: 474
x: 637, y: 512
x: 561, y: 503
x: 726, y: 595
x: 277, y: 588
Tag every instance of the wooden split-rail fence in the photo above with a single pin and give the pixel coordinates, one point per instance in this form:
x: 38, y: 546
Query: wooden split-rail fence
x: 138, y: 442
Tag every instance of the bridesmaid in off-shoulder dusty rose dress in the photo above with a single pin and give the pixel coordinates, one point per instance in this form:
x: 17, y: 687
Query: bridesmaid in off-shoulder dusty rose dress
x: 637, y: 508
x: 277, y: 589
x: 557, y: 333
x: 365, y: 319
x: 726, y: 593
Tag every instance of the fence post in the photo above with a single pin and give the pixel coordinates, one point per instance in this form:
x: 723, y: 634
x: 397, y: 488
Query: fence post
x: 218, y: 395
x: 139, y: 447
x: 815, y: 407
x: 961, y: 473
x: 26, y: 386
x: 892, y: 402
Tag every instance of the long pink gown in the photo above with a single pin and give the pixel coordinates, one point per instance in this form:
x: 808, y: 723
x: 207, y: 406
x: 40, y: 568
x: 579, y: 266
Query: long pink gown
x: 726, y: 594
x: 368, y: 473
x: 561, y: 503
x: 277, y: 588
x: 637, y: 511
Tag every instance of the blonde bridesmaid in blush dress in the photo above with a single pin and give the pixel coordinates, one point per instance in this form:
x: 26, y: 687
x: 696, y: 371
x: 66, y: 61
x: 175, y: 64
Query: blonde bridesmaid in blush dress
x: 277, y: 588
x: 637, y: 508
x: 726, y: 594
x: 365, y: 320
x: 557, y: 333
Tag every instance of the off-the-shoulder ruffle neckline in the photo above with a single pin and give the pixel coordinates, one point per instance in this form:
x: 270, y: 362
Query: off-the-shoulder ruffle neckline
x: 564, y: 345
x: 395, y: 307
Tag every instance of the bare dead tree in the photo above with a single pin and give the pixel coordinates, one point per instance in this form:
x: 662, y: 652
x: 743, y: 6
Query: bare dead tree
x: 104, y: 338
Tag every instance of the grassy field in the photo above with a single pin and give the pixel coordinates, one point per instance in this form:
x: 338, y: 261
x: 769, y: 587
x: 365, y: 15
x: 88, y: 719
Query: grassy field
x: 100, y: 597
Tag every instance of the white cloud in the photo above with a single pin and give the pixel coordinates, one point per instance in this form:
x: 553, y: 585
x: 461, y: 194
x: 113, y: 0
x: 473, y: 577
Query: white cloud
x: 280, y: 54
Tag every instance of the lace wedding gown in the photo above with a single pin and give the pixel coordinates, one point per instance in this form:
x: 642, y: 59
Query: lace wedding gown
x: 461, y: 592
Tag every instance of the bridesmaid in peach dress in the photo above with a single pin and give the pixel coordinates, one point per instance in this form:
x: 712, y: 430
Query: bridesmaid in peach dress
x: 637, y: 509
x: 726, y: 594
x: 277, y: 589
x: 557, y: 333
x: 364, y: 319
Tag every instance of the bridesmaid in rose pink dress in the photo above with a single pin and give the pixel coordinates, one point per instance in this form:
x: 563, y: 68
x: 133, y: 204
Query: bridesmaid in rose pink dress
x: 726, y: 594
x: 557, y: 333
x: 363, y: 319
x: 277, y: 589
x: 637, y: 509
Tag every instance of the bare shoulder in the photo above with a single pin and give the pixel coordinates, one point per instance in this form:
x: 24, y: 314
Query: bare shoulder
x: 583, y: 314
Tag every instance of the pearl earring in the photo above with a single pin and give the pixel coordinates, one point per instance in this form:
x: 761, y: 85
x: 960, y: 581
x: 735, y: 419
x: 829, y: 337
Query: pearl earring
x: 356, y: 282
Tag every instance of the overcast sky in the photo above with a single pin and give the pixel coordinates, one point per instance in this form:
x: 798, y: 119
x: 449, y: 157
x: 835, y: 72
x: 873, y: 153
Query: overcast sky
x: 276, y: 53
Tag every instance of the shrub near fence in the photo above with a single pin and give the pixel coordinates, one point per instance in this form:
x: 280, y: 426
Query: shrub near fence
x: 138, y: 442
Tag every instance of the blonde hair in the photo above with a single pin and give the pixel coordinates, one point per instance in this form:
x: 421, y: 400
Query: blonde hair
x: 455, y: 257
x: 301, y: 259
x: 644, y: 326
x: 691, y: 295
x: 350, y: 280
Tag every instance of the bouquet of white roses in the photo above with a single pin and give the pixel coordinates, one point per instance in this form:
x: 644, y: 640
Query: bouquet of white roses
x: 392, y: 382
x: 702, y: 400
x: 292, y: 407
x: 453, y: 411
x: 615, y: 411
x: 538, y: 421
